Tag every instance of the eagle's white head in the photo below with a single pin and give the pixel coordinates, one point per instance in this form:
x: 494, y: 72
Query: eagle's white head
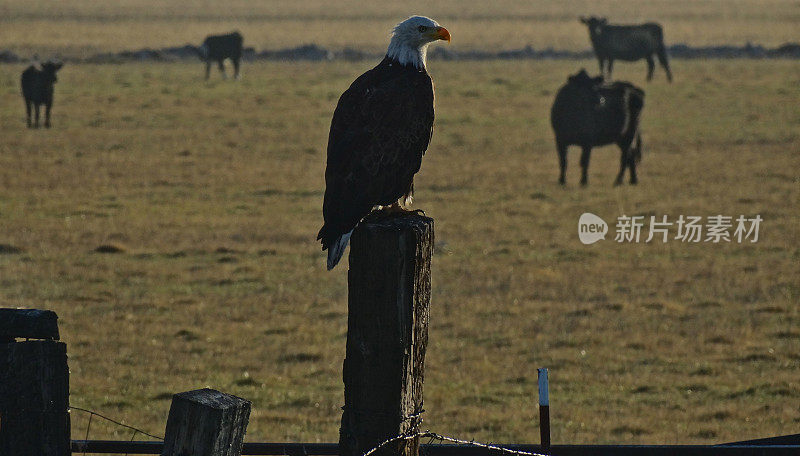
x: 410, y: 40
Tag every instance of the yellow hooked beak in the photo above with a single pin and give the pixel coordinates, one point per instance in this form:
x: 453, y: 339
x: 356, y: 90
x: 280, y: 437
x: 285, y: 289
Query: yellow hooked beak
x: 441, y: 33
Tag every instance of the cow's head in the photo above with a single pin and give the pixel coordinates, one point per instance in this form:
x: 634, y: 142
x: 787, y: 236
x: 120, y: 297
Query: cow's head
x: 582, y: 78
x: 587, y: 87
x: 595, y: 24
x: 50, y: 68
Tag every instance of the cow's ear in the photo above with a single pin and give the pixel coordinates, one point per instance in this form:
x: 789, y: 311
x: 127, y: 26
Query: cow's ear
x: 58, y: 65
x: 603, y: 21
x: 584, y: 20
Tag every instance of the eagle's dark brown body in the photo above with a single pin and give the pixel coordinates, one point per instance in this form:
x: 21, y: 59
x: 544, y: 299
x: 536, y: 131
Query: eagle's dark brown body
x: 380, y: 130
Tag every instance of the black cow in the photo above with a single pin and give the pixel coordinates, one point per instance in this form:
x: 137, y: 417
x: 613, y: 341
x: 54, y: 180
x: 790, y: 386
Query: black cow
x: 589, y: 113
x: 37, y: 89
x: 220, y: 47
x: 627, y: 42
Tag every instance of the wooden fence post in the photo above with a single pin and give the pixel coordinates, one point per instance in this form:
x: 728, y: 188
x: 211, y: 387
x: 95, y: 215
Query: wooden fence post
x: 389, y: 290
x: 34, y: 385
x: 206, y: 422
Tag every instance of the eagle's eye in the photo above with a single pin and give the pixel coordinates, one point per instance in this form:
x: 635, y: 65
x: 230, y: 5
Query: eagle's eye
x: 422, y: 28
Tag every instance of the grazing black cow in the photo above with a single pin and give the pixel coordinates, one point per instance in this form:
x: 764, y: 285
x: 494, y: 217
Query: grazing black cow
x: 220, y: 47
x: 589, y: 113
x: 37, y: 89
x: 627, y: 42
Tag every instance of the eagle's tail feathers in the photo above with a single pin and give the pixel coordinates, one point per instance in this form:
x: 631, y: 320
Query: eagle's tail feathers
x: 336, y: 250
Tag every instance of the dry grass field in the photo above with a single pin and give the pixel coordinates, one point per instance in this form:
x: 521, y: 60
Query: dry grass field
x: 212, y: 193
x: 81, y: 28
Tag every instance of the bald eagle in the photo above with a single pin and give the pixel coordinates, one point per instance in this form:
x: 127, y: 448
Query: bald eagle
x: 380, y: 129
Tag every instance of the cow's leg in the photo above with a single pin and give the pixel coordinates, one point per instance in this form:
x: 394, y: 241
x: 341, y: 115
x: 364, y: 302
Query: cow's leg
x: 28, y: 112
x: 601, y: 61
x: 632, y: 166
x: 221, y: 65
x: 623, y: 163
x: 208, y: 69
x: 235, y: 68
x: 610, y: 67
x: 585, y: 154
x: 47, y: 107
x: 662, y: 58
x: 562, y: 162
x: 36, y: 115
x: 633, y: 157
x: 651, y: 65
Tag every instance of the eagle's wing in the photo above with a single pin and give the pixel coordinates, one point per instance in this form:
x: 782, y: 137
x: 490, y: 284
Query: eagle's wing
x: 380, y: 130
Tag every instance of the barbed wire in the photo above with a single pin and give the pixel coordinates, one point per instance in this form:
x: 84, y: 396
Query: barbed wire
x: 393, y: 439
x: 444, y: 438
x: 407, y: 436
x: 93, y: 413
x: 488, y: 446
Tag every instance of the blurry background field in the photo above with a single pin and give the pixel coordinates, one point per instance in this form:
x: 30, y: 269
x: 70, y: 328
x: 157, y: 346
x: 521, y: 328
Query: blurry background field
x: 83, y: 27
x: 212, y: 192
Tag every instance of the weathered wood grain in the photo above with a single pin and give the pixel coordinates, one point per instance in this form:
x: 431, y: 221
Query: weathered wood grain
x: 28, y: 323
x: 34, y: 396
x: 206, y: 422
x: 387, y: 333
